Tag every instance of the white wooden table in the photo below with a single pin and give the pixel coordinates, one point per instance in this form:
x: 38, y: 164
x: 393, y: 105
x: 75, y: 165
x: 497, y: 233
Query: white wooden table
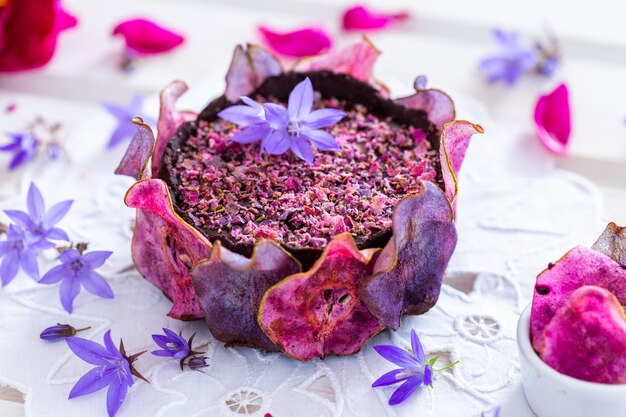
x: 445, y: 41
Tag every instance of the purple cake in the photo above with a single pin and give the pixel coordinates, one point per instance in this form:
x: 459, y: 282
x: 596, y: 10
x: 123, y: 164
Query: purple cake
x: 308, y: 257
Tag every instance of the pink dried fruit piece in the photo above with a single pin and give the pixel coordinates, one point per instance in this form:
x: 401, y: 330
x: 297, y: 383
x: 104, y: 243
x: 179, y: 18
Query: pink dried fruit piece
x: 586, y: 339
x: 409, y: 271
x: 580, y: 266
x: 612, y: 243
x: 230, y: 288
x: 164, y: 247
x: 319, y: 312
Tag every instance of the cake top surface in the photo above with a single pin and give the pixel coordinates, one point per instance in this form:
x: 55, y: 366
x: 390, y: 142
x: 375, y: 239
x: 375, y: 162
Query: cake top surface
x: 232, y: 192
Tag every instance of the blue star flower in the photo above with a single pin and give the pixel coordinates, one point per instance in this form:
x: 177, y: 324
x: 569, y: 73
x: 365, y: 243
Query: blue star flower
x: 23, y: 146
x: 125, y: 128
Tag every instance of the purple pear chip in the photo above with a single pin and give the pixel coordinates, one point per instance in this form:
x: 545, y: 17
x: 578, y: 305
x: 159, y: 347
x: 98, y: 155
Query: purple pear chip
x: 319, y: 312
x: 586, y: 338
x: 230, y: 288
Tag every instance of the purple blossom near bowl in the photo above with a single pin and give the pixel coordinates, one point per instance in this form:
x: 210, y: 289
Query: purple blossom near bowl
x: 173, y: 345
x: 113, y: 369
x: 125, y: 128
x: 513, y: 60
x: 23, y: 146
x: 78, y: 269
x: 38, y: 223
x: 294, y: 128
x: 18, y: 251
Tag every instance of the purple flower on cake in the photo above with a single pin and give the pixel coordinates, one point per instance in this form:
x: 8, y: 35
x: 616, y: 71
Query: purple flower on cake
x: 113, y: 369
x: 18, y: 251
x: 38, y: 223
x: 60, y: 331
x: 23, y: 147
x: 78, y: 269
x: 173, y: 345
x: 296, y: 127
x: 513, y: 61
x: 125, y: 128
x: 413, y: 370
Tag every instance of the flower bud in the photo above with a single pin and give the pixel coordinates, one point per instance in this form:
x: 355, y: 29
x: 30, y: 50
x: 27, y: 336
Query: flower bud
x: 197, y: 363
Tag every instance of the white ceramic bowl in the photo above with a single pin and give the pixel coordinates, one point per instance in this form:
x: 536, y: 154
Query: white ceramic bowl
x: 552, y: 394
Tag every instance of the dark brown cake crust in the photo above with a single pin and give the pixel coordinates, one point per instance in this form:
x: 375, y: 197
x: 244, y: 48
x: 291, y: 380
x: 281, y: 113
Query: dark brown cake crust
x: 329, y: 85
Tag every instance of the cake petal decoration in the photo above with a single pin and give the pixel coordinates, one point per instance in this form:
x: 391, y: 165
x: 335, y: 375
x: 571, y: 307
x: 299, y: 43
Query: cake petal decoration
x: 145, y: 37
x: 579, y: 267
x: 230, y: 288
x: 169, y: 120
x: 437, y: 104
x: 135, y: 160
x: 408, y: 274
x: 165, y: 248
x: 319, y: 312
x: 454, y: 142
x: 553, y: 120
x: 357, y: 60
x: 595, y: 313
x: 361, y: 18
x: 298, y: 43
x: 29, y: 31
x: 612, y: 243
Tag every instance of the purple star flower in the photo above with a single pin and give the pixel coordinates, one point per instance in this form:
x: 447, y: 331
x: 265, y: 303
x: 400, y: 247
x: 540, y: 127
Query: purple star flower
x: 513, y: 61
x: 18, y: 251
x: 296, y: 127
x: 23, y: 147
x: 174, y: 346
x: 413, y: 371
x: 113, y: 369
x: 125, y: 128
x: 78, y: 269
x: 38, y: 222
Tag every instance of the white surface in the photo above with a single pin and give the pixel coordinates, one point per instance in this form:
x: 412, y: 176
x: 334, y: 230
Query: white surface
x: 551, y: 393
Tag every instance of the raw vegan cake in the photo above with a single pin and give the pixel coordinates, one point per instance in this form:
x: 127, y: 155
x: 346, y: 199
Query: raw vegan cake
x: 302, y: 211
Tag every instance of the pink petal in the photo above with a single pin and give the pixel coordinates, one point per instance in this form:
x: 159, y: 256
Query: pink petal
x: 64, y: 19
x: 248, y: 69
x: 298, y: 43
x: 361, y: 18
x: 169, y: 120
x: 146, y: 37
x: 357, y: 60
x: 553, y: 120
x: 454, y: 142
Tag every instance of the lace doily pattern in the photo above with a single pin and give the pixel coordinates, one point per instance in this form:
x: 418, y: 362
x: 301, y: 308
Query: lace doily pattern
x: 516, y: 214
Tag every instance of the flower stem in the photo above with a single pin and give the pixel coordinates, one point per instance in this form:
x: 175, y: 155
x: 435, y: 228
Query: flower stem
x: 83, y: 329
x: 445, y: 368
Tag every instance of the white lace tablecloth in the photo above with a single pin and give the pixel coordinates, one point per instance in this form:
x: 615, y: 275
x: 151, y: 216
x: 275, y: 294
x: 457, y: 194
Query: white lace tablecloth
x: 516, y: 212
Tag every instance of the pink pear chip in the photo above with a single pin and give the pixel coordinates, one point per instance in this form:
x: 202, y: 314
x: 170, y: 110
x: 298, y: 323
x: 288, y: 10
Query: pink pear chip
x: 579, y: 267
x: 319, y: 312
x: 165, y: 248
x: 454, y: 142
x: 586, y: 339
x: 230, y: 288
x: 356, y: 60
x: 135, y: 160
x: 408, y: 274
x: 612, y: 243
x: 248, y: 69
x: 437, y: 104
x: 169, y: 120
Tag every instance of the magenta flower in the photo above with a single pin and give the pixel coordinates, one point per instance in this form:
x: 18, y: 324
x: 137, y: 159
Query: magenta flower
x: 78, y: 269
x: 295, y: 127
x: 18, y: 251
x: 173, y: 345
x: 513, y: 61
x: 413, y: 371
x: 298, y: 43
x: 126, y: 129
x: 113, y: 369
x: 59, y: 332
x: 23, y: 146
x: 145, y: 37
x: 39, y: 223
x: 553, y: 122
x: 361, y: 18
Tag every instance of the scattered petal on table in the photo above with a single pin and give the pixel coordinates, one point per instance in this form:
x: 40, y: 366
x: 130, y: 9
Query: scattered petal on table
x: 298, y: 43
x: 553, y: 120
x: 145, y: 37
x: 361, y: 18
